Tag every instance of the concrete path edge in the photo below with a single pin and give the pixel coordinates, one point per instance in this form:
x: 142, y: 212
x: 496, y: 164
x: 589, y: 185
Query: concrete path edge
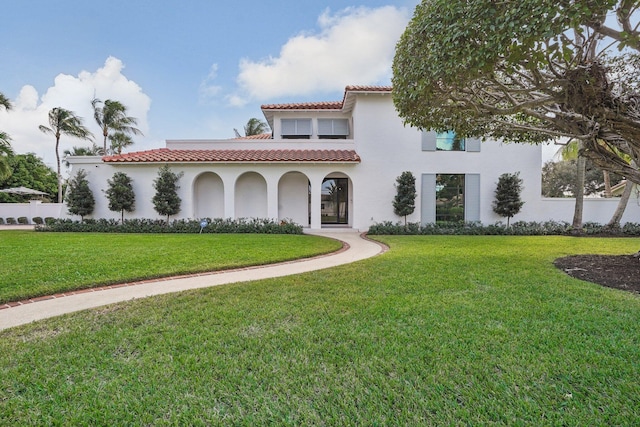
x: 356, y: 247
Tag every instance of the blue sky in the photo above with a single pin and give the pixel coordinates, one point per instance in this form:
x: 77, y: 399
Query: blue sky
x: 189, y: 68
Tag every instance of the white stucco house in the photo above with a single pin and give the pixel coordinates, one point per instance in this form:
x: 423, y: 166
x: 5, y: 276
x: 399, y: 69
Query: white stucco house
x: 334, y: 164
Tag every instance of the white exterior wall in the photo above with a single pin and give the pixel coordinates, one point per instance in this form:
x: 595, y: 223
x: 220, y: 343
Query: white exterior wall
x: 282, y: 181
x: 386, y: 148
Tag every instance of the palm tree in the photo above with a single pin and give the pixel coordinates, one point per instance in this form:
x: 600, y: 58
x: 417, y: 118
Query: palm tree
x: 112, y: 116
x: 5, y: 142
x: 119, y: 140
x: 253, y: 127
x: 5, y: 150
x: 94, y: 150
x: 4, y: 101
x: 64, y: 122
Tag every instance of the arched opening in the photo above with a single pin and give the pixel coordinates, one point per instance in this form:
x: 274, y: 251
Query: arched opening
x: 336, y: 200
x: 251, y: 196
x: 293, y: 198
x: 208, y: 197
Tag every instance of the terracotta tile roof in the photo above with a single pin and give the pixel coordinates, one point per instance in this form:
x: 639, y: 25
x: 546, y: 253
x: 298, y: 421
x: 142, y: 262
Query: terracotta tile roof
x: 259, y: 136
x: 331, y: 105
x: 368, y: 89
x: 163, y: 155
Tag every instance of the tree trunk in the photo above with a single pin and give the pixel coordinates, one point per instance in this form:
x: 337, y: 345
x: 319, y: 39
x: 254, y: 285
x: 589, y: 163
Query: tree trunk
x: 105, y: 133
x: 577, y: 213
x: 622, y: 205
x: 59, y: 171
x: 606, y: 176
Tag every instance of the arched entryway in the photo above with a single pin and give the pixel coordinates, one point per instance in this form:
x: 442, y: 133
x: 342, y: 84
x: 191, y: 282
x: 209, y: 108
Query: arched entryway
x: 208, y: 196
x: 335, y: 200
x: 251, y: 196
x: 293, y: 198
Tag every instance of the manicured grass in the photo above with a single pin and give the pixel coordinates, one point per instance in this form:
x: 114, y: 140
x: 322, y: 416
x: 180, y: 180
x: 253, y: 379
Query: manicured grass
x: 34, y: 264
x: 437, y: 331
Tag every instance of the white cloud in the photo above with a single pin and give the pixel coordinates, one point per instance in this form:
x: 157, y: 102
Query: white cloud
x: 72, y: 93
x: 354, y: 46
x: 208, y: 89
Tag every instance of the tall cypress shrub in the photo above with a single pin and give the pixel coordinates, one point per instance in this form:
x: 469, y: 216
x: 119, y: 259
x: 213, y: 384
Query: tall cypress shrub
x: 508, y: 202
x: 404, y: 203
x: 166, y: 200
x: 79, y: 198
x: 120, y: 194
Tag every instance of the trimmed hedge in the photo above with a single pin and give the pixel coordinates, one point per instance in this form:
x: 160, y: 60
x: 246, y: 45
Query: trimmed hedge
x: 520, y: 228
x: 217, y: 225
x: 11, y: 221
x: 23, y: 220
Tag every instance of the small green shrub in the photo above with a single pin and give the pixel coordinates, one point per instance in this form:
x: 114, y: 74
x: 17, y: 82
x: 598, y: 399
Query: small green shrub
x: 11, y: 221
x: 23, y: 220
x: 37, y: 220
x: 49, y: 220
x: 1, y: 221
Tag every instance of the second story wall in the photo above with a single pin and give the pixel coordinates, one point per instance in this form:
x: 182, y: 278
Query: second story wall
x: 387, y: 148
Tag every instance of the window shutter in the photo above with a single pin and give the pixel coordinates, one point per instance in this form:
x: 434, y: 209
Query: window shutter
x: 340, y: 127
x: 333, y: 127
x: 325, y: 127
x: 429, y: 144
x: 304, y: 127
x: 472, y: 197
x: 428, y: 198
x: 473, y: 145
x: 288, y: 126
x: 300, y: 127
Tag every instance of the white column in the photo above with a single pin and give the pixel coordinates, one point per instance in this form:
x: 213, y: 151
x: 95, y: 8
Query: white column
x: 229, y: 196
x: 272, y: 198
x: 316, y: 201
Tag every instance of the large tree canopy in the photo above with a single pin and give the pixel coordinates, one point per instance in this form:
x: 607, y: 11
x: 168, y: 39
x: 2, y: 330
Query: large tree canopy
x: 28, y: 170
x: 526, y: 71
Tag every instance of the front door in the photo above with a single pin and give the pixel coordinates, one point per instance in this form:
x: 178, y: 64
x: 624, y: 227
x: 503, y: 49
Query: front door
x: 335, y: 201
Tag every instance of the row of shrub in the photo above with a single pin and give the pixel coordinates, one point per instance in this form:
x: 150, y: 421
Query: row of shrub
x: 521, y: 228
x: 216, y: 225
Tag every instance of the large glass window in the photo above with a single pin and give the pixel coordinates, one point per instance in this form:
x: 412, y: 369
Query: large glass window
x: 449, y: 198
x: 335, y: 201
x: 449, y: 141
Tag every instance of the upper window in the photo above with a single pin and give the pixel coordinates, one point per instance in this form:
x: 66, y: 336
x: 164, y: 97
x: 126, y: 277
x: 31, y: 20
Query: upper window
x: 448, y: 141
x: 296, y: 128
x: 333, y: 128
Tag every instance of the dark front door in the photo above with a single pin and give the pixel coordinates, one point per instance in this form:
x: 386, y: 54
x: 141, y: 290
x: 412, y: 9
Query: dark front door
x: 335, y: 201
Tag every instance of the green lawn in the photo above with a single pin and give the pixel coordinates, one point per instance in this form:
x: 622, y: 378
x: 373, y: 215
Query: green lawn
x: 439, y: 330
x: 34, y: 263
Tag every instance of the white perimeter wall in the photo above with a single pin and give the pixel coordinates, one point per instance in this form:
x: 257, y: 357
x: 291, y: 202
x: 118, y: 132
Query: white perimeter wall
x: 31, y: 210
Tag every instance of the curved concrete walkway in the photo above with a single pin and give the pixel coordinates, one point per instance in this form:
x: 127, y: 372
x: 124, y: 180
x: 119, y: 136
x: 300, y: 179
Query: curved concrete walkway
x: 358, y: 248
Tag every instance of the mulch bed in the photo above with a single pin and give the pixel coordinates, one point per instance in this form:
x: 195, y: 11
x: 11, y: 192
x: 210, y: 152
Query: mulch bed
x: 614, y: 271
